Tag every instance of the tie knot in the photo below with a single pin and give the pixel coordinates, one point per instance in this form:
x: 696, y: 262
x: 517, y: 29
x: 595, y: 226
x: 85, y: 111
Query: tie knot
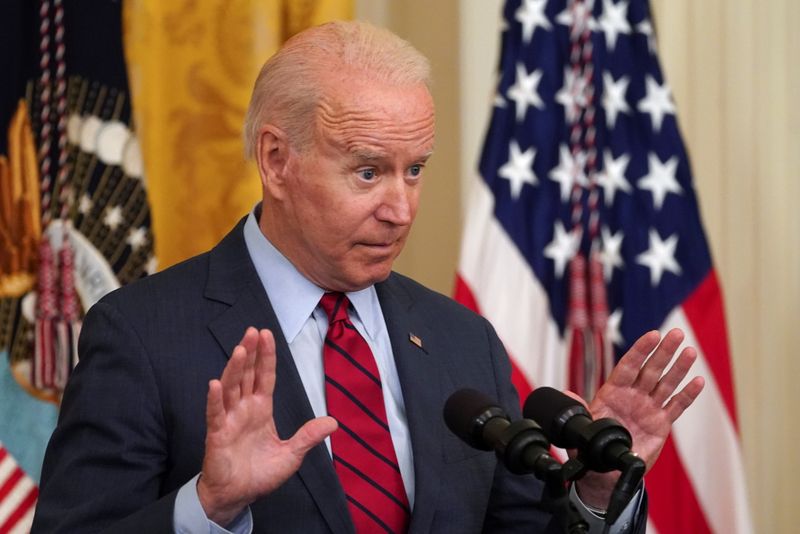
x: 335, y: 306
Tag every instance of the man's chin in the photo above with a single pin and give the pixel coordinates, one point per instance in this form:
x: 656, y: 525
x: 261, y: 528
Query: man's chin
x: 366, y: 276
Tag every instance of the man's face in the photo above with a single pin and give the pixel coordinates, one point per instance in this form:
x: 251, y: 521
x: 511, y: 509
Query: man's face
x: 352, y: 195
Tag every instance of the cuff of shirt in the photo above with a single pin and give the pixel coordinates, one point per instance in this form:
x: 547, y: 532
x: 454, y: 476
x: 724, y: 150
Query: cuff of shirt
x: 596, y: 521
x: 190, y: 518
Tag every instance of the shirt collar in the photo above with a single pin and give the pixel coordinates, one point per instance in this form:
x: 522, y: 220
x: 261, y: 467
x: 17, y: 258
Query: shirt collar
x: 293, y: 296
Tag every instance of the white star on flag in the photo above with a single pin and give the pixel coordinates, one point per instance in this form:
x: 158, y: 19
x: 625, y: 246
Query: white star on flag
x: 498, y: 100
x: 611, y: 255
x: 562, y: 248
x: 614, y: 97
x: 137, y: 237
x: 614, y: 21
x: 113, y: 217
x: 531, y: 15
x: 518, y: 170
x: 85, y: 204
x: 568, y: 172
x: 660, y: 257
x: 572, y: 95
x: 613, y: 329
x: 646, y: 28
x: 612, y: 178
x: 660, y: 179
x: 657, y: 102
x: 524, y: 91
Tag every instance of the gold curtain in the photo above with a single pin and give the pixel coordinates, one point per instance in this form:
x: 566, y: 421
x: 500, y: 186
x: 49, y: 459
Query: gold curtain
x: 192, y: 65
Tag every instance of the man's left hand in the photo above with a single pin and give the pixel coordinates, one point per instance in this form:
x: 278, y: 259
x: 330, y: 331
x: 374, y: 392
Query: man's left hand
x: 642, y: 397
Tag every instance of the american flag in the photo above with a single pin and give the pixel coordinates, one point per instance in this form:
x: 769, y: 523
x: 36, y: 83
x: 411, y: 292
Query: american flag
x: 585, y: 232
x: 18, y: 495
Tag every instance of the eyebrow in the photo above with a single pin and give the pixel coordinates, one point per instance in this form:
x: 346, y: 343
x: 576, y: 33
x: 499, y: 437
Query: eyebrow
x: 368, y: 155
x: 371, y: 155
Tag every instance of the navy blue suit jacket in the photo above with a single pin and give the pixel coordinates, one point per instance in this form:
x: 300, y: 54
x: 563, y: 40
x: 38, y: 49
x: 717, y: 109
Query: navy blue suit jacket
x: 132, y: 424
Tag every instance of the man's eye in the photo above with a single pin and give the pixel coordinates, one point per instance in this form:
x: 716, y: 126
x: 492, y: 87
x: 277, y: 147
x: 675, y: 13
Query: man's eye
x: 367, y: 174
x: 415, y: 170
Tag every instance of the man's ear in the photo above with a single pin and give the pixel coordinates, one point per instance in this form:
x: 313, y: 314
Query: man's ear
x: 272, y: 157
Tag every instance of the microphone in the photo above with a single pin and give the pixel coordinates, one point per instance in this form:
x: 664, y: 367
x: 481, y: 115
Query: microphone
x: 568, y: 425
x: 521, y: 445
x: 603, y: 445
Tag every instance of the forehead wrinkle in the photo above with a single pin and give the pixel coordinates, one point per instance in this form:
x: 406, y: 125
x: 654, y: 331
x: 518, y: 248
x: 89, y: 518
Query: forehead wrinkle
x: 358, y: 126
x: 370, y: 144
x: 356, y: 123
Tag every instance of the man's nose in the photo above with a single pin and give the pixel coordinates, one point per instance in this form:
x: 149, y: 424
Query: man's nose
x: 397, y: 203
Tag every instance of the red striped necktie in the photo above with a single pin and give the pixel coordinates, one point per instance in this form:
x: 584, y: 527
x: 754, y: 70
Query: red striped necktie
x: 363, y: 453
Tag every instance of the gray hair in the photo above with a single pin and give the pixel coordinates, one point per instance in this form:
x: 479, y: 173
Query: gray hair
x: 288, y: 88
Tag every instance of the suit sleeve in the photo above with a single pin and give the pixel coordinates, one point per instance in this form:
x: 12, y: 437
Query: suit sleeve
x: 104, y: 464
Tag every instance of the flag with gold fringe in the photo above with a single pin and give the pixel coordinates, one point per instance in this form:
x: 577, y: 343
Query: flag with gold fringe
x: 75, y: 219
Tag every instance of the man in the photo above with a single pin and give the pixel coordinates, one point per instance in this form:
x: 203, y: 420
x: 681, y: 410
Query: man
x: 341, y: 125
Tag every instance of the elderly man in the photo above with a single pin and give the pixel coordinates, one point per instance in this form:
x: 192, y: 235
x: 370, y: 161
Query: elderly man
x: 333, y: 370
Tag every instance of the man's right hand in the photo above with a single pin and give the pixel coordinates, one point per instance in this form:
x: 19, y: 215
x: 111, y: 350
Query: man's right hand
x: 245, y: 458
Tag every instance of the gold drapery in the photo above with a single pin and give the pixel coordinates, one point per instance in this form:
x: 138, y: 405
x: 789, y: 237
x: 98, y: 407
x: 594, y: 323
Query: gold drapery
x: 192, y: 65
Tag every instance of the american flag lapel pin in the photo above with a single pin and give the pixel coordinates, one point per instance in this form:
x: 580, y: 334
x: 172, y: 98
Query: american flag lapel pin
x: 413, y: 338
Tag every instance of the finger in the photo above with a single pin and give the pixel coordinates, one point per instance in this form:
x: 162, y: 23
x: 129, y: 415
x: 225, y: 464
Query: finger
x: 626, y: 371
x: 215, y: 408
x: 672, y: 379
x: 248, y: 371
x: 264, y: 383
x: 684, y: 398
x: 312, y: 434
x: 232, y: 377
x: 654, y: 367
x: 249, y: 339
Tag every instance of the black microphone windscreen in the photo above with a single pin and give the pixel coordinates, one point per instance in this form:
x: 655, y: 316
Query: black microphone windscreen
x: 461, y: 412
x: 545, y: 405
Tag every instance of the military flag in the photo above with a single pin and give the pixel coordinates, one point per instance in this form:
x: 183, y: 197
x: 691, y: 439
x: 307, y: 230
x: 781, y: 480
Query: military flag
x: 74, y: 214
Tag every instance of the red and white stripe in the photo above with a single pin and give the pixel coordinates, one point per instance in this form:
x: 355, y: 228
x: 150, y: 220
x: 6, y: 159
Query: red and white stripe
x: 698, y: 482
x: 18, y: 494
x: 505, y: 290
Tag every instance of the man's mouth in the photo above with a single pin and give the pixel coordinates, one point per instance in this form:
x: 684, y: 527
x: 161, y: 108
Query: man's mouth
x: 379, y: 245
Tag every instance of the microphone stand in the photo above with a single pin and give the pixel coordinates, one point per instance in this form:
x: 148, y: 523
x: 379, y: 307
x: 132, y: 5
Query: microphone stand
x: 556, y: 500
x: 631, y: 469
x: 522, y: 448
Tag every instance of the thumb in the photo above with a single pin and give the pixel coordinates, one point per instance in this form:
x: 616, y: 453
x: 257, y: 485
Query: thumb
x: 311, y: 434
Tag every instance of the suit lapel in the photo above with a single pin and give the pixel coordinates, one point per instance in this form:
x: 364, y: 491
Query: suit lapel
x: 234, y: 281
x: 419, y: 371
